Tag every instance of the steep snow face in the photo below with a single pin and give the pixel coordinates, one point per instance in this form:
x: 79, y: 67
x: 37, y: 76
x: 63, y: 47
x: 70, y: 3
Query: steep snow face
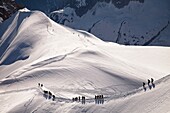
x: 70, y: 63
x: 135, y: 24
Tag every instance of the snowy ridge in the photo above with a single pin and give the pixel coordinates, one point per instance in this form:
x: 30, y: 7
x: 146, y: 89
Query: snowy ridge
x: 71, y: 63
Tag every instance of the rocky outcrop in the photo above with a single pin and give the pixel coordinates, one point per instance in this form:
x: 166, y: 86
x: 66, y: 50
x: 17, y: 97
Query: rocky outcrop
x: 8, y: 7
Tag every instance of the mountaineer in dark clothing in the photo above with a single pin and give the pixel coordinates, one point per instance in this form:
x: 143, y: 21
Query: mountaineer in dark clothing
x: 149, y: 81
x: 79, y: 98
x: 39, y: 84
x: 144, y: 86
x: 53, y: 97
x: 152, y: 80
x: 83, y: 99
x: 149, y: 84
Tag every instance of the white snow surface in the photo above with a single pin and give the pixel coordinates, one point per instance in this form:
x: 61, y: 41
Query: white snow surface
x: 24, y: 10
x: 70, y: 63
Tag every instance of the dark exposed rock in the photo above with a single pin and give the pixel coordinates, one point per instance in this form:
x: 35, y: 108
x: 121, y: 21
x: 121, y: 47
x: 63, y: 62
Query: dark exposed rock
x: 155, y: 36
x: 8, y: 7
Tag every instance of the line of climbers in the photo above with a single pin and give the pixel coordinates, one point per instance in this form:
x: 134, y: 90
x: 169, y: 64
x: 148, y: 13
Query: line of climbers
x: 47, y: 94
x: 99, y: 99
x: 78, y: 99
x: 150, y: 84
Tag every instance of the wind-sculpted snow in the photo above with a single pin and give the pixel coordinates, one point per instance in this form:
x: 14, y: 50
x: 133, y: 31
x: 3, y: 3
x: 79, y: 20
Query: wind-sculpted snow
x: 72, y: 63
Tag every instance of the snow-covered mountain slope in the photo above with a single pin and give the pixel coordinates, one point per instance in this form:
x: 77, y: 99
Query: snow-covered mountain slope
x: 135, y: 24
x: 70, y: 63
